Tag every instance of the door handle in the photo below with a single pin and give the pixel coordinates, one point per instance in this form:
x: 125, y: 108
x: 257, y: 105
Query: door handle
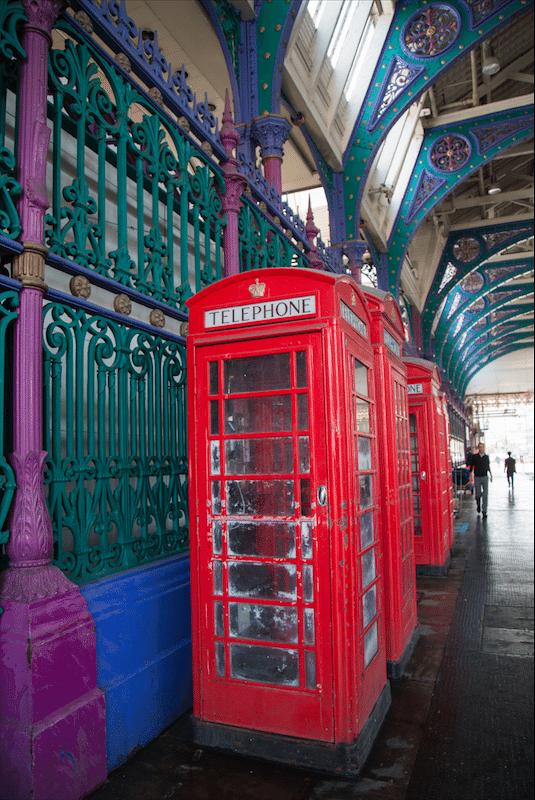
x: 322, y: 495
x: 423, y: 475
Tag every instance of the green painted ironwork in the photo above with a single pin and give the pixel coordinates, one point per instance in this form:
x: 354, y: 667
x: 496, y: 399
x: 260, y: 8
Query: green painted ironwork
x: 9, y: 300
x: 230, y: 25
x: 11, y: 52
x: 116, y: 473
x: 262, y: 244
x: 133, y: 197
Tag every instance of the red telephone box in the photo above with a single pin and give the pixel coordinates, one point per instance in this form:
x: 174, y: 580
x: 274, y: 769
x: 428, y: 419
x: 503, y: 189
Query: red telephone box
x: 288, y: 629
x: 447, y: 468
x: 390, y: 373
x: 430, y: 480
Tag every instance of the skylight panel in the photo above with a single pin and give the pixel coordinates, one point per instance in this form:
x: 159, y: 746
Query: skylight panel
x: 338, y: 40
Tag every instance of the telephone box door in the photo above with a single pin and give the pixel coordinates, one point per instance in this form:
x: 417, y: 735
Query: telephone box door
x: 419, y: 445
x: 265, y: 613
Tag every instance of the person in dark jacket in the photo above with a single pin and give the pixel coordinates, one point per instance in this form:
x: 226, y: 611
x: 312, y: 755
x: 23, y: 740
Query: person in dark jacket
x: 480, y: 469
x: 510, y: 467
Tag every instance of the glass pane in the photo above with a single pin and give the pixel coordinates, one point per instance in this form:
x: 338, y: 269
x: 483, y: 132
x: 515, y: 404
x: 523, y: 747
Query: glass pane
x: 301, y: 368
x: 414, y: 443
x: 302, y: 412
x: 217, y: 539
x: 368, y: 568
x: 269, y: 581
x: 218, y: 577
x: 361, y: 378
x: 220, y: 659
x: 278, y: 666
x: 362, y: 416
x: 218, y: 618
x: 214, y: 417
x: 216, y: 497
x: 258, y: 373
x: 306, y: 539
x: 366, y: 530
x: 258, y: 456
x: 418, y: 526
x: 416, y: 505
x: 264, y: 539
x: 308, y: 583
x: 416, y: 484
x: 309, y: 626
x: 415, y: 466
x: 272, y: 413
x: 267, y: 623
x: 365, y: 453
x: 365, y: 491
x: 310, y: 669
x: 215, y: 464
x: 268, y: 498
x: 412, y: 423
x: 306, y: 507
x: 369, y: 606
x: 371, y: 644
x: 214, y: 373
x: 304, y: 454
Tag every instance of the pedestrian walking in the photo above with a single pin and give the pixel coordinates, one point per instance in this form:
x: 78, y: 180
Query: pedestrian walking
x: 510, y: 468
x: 480, y: 471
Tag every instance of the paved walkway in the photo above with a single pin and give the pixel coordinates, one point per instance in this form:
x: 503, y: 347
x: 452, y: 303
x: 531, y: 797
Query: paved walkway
x: 461, y: 722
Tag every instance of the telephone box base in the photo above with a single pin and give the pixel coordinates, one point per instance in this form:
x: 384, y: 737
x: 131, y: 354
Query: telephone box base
x: 433, y: 570
x: 396, y: 669
x: 346, y: 759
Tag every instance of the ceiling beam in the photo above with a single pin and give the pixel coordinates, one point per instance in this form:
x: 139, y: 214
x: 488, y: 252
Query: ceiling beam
x: 474, y: 113
x: 490, y: 223
x: 489, y: 200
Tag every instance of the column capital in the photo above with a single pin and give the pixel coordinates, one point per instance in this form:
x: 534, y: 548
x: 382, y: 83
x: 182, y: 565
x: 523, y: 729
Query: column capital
x: 42, y: 15
x: 271, y: 132
x: 29, y: 266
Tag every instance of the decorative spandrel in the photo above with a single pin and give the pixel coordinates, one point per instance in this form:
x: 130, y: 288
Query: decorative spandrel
x: 431, y: 31
x: 450, y: 153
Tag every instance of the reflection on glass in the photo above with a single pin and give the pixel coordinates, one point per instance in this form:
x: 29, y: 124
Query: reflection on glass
x: 258, y: 456
x: 362, y: 416
x: 218, y: 577
x: 369, y: 606
x: 272, y: 498
x: 301, y: 369
x: 220, y: 659
x: 371, y: 644
x: 365, y: 491
x: 365, y: 453
x: 306, y: 504
x: 214, y: 458
x: 418, y: 526
x: 264, y: 539
x: 216, y: 497
x: 361, y: 378
x: 272, y: 413
x: 309, y: 626
x: 412, y: 423
x: 257, y: 373
x: 218, y: 618
x: 308, y: 583
x: 217, y: 538
x: 304, y: 454
x: 302, y: 412
x: 268, y: 581
x: 310, y: 669
x: 416, y: 505
x: 274, y: 665
x: 214, y: 417
x: 266, y: 623
x: 366, y: 530
x: 214, y: 372
x: 368, y: 568
x: 306, y: 539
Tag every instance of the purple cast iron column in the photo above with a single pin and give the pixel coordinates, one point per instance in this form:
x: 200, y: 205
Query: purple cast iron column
x: 52, y: 715
x: 235, y: 184
x: 355, y: 251
x: 271, y: 131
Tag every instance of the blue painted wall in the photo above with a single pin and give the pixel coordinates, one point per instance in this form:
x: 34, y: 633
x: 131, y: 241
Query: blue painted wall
x: 143, y: 631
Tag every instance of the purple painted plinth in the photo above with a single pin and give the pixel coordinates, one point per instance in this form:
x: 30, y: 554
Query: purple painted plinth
x: 53, y: 714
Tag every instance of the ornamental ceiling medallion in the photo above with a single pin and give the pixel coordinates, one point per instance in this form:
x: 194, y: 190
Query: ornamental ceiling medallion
x: 466, y: 250
x: 477, y: 306
x: 450, y: 153
x: 472, y: 283
x: 430, y: 32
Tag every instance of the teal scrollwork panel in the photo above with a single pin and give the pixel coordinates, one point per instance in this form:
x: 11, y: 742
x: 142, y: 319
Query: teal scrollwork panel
x: 263, y: 245
x: 8, y: 312
x: 133, y: 197
x: 116, y: 473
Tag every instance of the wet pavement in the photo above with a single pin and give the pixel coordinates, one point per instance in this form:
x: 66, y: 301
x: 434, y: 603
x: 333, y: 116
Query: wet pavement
x: 460, y: 726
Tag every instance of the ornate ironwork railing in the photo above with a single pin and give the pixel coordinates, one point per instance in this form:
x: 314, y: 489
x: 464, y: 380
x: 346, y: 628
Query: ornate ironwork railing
x: 11, y: 51
x: 9, y: 298
x: 116, y: 473
x: 133, y: 197
x: 262, y: 244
